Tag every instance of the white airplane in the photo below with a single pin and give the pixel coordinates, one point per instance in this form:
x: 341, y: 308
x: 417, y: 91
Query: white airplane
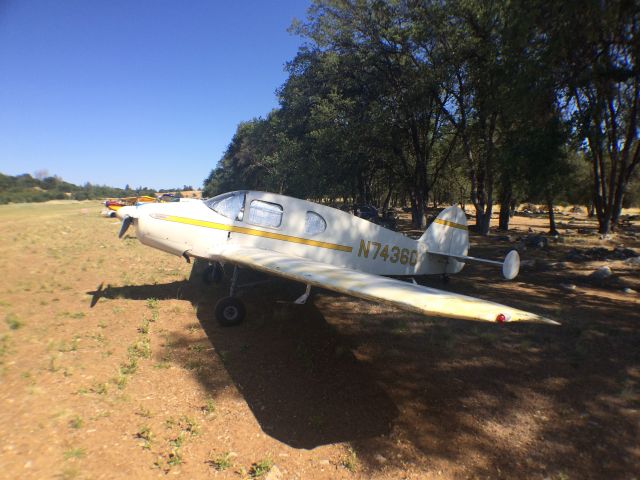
x: 320, y: 246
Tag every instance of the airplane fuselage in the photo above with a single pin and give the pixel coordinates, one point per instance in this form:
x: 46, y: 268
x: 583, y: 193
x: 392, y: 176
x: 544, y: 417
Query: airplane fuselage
x: 283, y: 224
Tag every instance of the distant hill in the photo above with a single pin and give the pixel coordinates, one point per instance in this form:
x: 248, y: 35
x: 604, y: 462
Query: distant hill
x: 25, y: 188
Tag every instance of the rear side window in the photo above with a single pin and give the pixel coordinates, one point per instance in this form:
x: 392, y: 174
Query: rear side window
x: 265, y: 214
x: 314, y: 224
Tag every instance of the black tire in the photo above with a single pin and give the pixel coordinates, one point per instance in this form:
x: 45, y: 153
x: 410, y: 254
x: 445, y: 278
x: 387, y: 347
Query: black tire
x: 213, y: 274
x: 230, y: 311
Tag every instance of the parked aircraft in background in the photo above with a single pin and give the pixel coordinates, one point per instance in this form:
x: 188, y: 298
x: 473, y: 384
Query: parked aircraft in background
x: 323, y: 247
x: 113, y: 205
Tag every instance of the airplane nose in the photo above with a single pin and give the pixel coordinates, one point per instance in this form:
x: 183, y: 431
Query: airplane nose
x: 128, y: 211
x: 127, y: 215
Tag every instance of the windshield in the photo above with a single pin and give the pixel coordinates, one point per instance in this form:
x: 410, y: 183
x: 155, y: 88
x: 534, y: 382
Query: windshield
x: 228, y: 204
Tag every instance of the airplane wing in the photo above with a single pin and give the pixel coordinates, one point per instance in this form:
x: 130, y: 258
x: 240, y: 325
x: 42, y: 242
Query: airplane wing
x: 404, y: 295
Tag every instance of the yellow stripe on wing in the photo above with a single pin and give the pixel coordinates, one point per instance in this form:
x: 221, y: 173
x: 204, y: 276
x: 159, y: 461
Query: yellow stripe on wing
x: 450, y: 224
x: 254, y: 232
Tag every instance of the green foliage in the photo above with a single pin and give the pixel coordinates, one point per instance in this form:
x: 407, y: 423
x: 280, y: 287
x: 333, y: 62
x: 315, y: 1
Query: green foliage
x: 25, y: 188
x: 452, y: 101
x: 261, y: 468
x: 74, y: 453
x: 13, y: 321
x: 221, y: 462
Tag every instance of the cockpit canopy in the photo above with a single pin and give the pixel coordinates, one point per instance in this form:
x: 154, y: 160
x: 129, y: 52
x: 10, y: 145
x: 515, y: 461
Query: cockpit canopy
x: 264, y: 213
x: 230, y: 205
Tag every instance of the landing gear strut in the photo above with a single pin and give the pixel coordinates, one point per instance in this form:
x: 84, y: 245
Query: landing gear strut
x: 230, y: 310
x: 213, y: 273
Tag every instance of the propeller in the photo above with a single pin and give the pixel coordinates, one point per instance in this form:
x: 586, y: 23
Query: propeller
x: 126, y: 223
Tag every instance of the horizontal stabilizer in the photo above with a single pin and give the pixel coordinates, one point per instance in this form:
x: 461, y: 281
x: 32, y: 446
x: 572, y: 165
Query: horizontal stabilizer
x: 510, y: 265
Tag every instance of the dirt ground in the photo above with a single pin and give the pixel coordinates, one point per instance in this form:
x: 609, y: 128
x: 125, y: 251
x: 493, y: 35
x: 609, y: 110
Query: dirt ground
x: 112, y: 366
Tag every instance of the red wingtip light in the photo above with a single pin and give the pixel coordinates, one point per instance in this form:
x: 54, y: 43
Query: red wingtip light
x: 501, y: 318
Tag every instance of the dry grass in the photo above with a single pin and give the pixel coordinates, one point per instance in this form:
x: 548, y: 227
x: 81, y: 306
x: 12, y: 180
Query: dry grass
x: 145, y: 383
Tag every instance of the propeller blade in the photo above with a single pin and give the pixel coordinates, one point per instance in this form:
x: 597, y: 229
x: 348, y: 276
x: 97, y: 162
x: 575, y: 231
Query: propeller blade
x: 126, y: 223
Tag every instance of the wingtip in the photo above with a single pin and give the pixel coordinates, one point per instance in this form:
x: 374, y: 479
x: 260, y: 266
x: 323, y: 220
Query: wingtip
x: 534, y: 318
x: 548, y: 321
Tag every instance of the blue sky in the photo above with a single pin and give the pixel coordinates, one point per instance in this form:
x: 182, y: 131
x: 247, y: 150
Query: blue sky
x: 145, y: 92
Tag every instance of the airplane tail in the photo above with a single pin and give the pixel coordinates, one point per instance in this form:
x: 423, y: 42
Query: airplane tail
x: 448, y: 237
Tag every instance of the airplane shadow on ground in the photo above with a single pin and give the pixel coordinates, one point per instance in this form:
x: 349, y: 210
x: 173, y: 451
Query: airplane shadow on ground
x: 518, y: 401
x: 300, y: 380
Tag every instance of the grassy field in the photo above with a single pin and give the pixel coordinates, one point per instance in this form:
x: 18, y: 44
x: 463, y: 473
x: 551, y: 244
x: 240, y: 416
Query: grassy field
x: 112, y: 366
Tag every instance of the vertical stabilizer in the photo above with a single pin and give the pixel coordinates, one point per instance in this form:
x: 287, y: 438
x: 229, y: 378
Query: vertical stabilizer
x: 448, y: 235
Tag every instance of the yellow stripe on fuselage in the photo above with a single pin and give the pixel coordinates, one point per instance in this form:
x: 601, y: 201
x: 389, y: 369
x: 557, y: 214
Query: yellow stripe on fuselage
x: 450, y: 224
x: 254, y: 232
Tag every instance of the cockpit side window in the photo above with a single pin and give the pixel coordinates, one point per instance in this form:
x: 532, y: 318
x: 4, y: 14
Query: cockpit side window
x: 265, y: 214
x: 314, y: 224
x: 231, y: 205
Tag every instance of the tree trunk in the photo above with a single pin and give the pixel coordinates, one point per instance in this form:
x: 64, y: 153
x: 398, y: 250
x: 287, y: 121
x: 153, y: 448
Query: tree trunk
x: 506, y: 198
x: 385, y: 206
x: 418, y: 211
x: 505, y: 216
x: 552, y: 217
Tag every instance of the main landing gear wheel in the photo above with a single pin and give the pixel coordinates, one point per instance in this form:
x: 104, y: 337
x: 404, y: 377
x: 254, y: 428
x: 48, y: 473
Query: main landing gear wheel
x: 230, y: 311
x: 213, y: 274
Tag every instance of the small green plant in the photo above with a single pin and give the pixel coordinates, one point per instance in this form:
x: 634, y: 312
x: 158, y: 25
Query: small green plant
x: 130, y: 367
x: 13, y: 321
x: 74, y: 453
x: 258, y: 469
x: 144, y: 328
x: 196, y: 365
x: 140, y: 349
x: 145, y: 434
x: 209, y: 407
x: 169, y: 423
x: 177, y: 441
x: 121, y: 380
x: 350, y: 460
x: 198, y: 347
x: 100, y: 388
x: 174, y: 458
x: 76, y: 422
x: 99, y: 337
x: 53, y: 366
x: 221, y: 462
x: 189, y: 425
x: 152, y: 303
x: 144, y: 412
x: 5, y: 344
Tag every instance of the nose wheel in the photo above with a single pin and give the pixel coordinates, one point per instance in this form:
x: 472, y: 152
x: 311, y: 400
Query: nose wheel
x: 230, y: 310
